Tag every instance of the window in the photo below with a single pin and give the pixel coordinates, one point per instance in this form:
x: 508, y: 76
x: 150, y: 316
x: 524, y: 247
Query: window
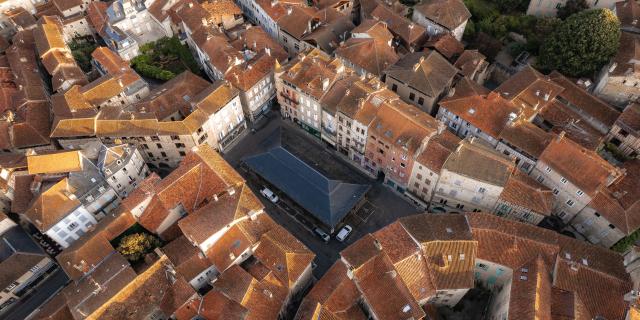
x: 548, y: 169
x: 482, y: 190
x: 483, y: 266
x: 419, y: 176
x: 563, y: 180
x: 597, y: 214
x: 159, y: 145
x: 540, y: 179
x: 182, y: 153
x: 72, y: 226
x: 164, y: 154
x: 179, y: 145
x: 570, y: 203
x: 579, y: 193
x: 394, y: 87
x: 412, y: 96
x: 555, y: 191
x: 612, y: 226
x: 420, y: 101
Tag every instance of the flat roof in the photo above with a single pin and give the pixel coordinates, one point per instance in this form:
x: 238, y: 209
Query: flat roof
x: 327, y: 200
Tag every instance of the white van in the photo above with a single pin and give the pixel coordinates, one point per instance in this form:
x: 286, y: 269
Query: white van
x: 269, y: 195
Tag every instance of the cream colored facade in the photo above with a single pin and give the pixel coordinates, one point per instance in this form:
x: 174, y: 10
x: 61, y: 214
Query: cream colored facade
x: 595, y: 228
x: 458, y: 193
x: 569, y: 198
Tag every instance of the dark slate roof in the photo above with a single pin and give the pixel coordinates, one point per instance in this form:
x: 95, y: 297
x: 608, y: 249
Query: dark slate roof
x: 327, y: 200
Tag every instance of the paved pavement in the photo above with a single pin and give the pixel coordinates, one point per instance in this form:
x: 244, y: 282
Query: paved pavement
x: 41, y: 294
x: 384, y: 207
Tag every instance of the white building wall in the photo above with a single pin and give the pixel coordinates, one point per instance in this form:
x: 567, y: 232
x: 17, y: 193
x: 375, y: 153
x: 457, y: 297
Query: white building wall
x: 69, y: 229
x: 461, y: 193
x: 569, y: 200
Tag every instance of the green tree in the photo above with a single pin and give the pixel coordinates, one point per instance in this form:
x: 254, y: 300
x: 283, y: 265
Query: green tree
x: 571, y: 7
x: 582, y: 44
x: 512, y: 6
x: 136, y: 245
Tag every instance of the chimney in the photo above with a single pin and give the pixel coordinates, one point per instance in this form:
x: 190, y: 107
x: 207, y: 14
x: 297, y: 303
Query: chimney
x: 204, y: 22
x: 546, y: 97
x: 274, y: 2
x: 325, y: 84
x: 561, y: 135
x: 268, y: 51
x: 289, y: 10
x: 411, y: 25
x: 190, y: 4
x: 512, y: 117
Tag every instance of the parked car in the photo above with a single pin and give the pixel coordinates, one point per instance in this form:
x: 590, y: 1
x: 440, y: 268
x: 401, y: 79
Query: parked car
x: 269, y: 195
x: 344, y: 233
x: 325, y: 237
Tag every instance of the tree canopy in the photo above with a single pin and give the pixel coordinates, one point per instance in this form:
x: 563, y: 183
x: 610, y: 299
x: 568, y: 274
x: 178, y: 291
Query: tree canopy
x: 135, y: 246
x: 582, y: 43
x: 571, y: 7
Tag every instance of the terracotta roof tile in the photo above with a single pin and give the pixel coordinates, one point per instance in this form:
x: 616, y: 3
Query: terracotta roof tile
x: 529, y: 88
x: 526, y: 137
x: 447, y: 13
x: 572, y: 162
x: 429, y: 73
x: 619, y: 203
x: 258, y: 40
x: 284, y: 255
x: 585, y: 102
x: 52, y: 205
x: 630, y: 118
x: 438, y: 150
x: 488, y: 113
x: 217, y: 215
x: 109, y: 60
x: 412, y: 34
x: 469, y: 61
x: 564, y: 119
x: 476, y: 159
x: 448, y: 46
x: 521, y: 190
x: 85, y: 254
x: 187, y: 259
x: 148, y: 292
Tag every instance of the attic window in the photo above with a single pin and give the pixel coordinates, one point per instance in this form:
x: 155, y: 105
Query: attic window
x: 585, y: 262
x: 472, y: 111
x: 524, y: 270
x: 523, y: 278
x: 186, y: 97
x: 462, y: 257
